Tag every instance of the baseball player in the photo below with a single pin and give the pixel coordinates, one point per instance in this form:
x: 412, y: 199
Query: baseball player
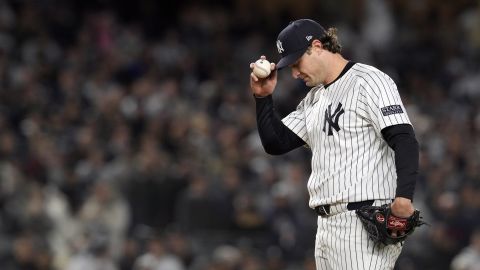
x: 364, y: 150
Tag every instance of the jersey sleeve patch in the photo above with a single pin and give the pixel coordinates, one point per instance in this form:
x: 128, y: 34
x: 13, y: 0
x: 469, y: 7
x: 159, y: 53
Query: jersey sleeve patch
x: 392, y: 109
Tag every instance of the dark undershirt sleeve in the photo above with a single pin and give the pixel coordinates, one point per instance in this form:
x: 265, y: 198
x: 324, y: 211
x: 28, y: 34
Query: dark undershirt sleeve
x: 401, y: 138
x: 276, y: 138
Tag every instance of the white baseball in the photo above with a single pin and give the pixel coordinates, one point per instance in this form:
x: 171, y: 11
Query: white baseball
x: 261, y: 69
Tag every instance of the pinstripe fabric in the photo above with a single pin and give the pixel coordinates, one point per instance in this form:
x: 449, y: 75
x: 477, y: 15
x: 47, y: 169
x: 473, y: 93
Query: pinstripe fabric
x: 350, y: 161
x: 342, y: 243
x: 354, y: 163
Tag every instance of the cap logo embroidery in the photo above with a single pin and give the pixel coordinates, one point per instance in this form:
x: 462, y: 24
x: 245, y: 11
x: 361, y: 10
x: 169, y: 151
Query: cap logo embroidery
x: 280, y: 47
x: 308, y: 38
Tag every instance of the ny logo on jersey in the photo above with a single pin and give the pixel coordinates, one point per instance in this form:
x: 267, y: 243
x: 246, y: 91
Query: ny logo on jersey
x: 332, y: 119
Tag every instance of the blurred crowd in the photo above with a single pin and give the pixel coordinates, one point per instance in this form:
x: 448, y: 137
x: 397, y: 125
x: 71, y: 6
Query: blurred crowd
x: 128, y: 137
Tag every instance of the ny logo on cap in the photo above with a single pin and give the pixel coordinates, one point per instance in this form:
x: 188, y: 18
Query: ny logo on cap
x: 280, y: 46
x: 309, y: 38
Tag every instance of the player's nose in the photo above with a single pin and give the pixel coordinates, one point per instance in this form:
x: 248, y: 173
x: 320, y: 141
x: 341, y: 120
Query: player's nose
x: 295, y: 73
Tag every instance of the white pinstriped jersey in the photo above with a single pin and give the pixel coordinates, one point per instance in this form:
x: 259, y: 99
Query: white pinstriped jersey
x: 342, y: 125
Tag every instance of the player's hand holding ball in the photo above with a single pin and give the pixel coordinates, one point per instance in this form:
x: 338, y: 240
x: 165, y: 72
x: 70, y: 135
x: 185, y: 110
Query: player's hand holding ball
x: 263, y: 77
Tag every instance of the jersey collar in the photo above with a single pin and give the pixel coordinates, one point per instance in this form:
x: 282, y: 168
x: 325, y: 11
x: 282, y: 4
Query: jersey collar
x: 345, y: 69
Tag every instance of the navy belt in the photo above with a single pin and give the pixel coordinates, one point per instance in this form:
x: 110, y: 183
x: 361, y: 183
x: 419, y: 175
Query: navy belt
x: 325, y: 210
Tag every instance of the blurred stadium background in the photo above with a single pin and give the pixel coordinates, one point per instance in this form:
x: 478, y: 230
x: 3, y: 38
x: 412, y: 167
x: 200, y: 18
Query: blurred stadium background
x: 128, y: 136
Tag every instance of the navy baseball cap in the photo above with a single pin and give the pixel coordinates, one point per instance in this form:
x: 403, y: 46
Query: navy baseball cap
x: 294, y: 40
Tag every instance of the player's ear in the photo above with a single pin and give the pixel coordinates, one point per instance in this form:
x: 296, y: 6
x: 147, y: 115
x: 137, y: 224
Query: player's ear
x: 317, y: 44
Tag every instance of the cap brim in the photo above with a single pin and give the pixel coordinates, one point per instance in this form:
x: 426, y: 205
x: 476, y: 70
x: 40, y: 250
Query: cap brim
x: 289, y: 59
